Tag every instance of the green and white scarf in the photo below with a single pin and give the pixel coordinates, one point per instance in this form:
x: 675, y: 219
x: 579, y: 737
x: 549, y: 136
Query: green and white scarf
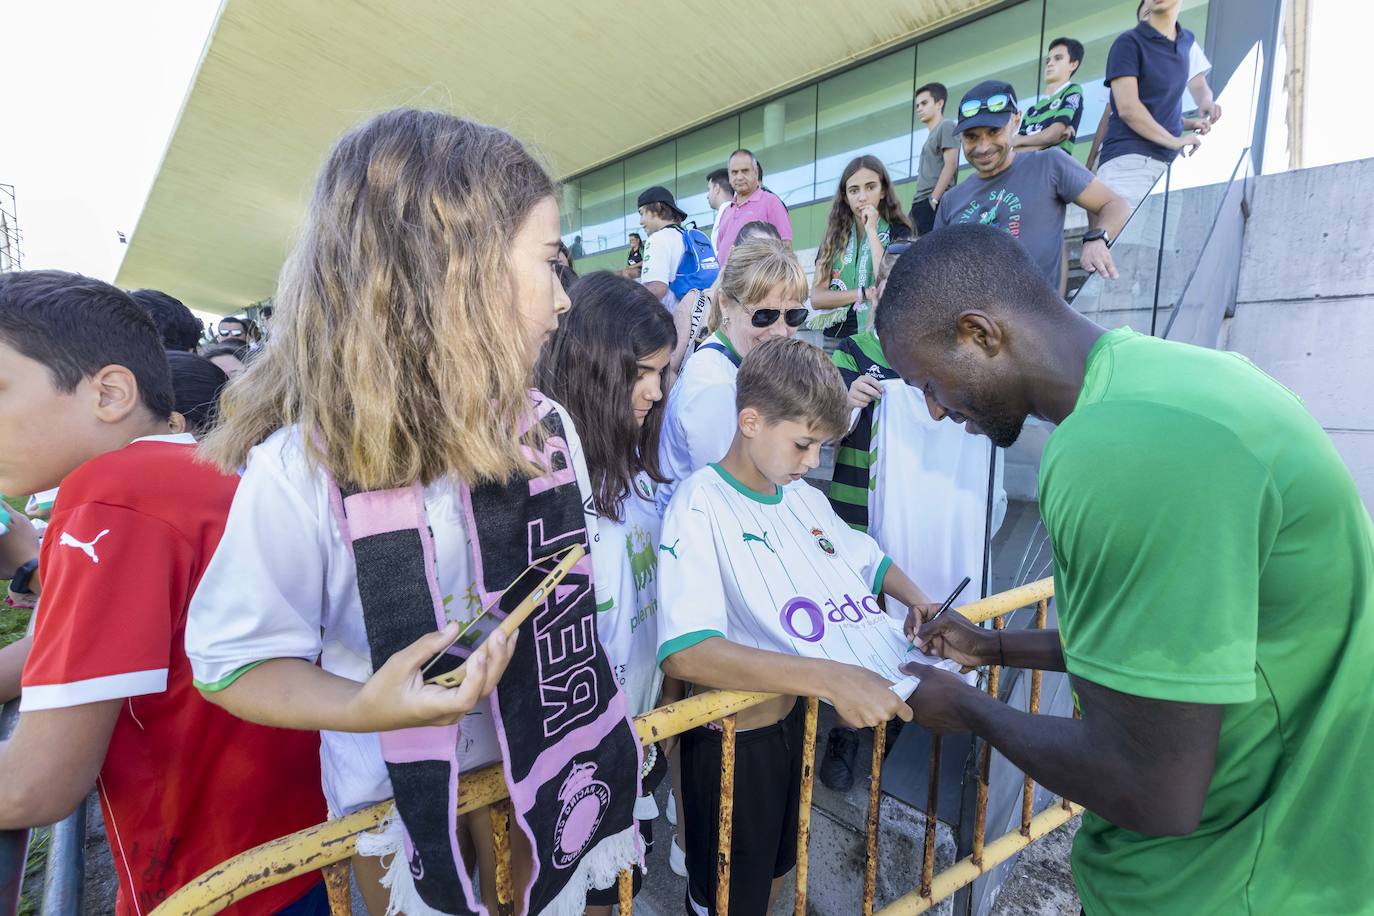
x: 852, y: 268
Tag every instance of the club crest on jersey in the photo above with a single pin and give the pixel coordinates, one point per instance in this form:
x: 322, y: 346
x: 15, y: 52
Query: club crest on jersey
x: 823, y: 542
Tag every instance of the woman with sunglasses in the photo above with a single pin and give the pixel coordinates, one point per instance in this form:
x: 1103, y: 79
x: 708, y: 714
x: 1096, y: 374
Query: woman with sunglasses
x: 864, y: 216
x: 761, y: 291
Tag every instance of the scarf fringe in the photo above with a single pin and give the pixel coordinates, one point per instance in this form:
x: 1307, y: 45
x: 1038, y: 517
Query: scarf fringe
x: 599, y: 868
x: 389, y: 840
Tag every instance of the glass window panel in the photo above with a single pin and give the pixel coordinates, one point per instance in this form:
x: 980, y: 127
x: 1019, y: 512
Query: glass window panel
x: 642, y: 171
x: 1003, y: 46
x: 603, y: 208
x: 570, y: 213
x: 865, y: 110
x: 699, y: 154
x: 782, y: 134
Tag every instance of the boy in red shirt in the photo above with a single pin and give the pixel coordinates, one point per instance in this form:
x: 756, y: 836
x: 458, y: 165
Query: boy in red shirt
x: 85, y: 400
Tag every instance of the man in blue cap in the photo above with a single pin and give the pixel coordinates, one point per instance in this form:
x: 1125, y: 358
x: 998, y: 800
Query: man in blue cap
x: 1024, y: 193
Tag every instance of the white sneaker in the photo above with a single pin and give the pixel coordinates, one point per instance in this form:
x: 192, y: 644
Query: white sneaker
x: 672, y: 809
x: 677, y: 859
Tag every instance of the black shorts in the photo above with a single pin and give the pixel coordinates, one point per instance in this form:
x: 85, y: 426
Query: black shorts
x: 923, y: 216
x: 768, y: 768
x: 610, y: 896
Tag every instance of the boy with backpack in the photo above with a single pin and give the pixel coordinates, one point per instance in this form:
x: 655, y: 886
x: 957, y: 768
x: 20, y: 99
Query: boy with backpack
x: 107, y: 698
x: 679, y: 262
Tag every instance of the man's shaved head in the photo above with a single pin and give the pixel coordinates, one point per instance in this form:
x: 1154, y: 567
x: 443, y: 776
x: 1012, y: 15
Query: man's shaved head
x: 964, y: 317
x: 958, y: 268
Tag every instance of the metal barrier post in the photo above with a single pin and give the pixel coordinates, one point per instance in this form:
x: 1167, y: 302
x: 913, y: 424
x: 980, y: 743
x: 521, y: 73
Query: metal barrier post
x: 727, y: 814
x: 804, y: 805
x: 1028, y: 785
x: 14, y: 844
x: 338, y: 888
x: 500, y: 837
x: 932, y: 811
x: 875, y: 778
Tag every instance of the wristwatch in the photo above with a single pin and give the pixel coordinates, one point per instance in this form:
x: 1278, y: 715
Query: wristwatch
x: 23, y: 576
x: 1092, y: 235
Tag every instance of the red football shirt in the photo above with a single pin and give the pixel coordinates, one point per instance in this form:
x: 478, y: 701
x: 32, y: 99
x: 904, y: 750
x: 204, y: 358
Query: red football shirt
x: 185, y: 785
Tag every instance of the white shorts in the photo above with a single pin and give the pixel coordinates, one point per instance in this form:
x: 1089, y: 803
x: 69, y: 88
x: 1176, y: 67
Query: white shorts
x: 1131, y: 176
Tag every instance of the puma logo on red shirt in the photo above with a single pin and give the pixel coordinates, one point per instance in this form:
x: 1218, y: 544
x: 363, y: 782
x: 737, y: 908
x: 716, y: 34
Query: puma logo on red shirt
x: 88, y: 548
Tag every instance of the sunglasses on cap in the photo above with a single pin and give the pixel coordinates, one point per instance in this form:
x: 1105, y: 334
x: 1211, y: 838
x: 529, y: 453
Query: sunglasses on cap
x: 764, y: 318
x: 994, y: 104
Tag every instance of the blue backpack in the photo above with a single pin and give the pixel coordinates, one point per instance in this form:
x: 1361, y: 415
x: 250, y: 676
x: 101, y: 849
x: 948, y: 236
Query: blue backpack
x: 698, y: 267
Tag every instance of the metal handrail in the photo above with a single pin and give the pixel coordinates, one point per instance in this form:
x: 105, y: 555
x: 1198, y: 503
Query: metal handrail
x: 324, y: 845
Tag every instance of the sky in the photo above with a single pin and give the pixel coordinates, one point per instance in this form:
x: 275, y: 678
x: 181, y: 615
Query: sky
x: 93, y: 90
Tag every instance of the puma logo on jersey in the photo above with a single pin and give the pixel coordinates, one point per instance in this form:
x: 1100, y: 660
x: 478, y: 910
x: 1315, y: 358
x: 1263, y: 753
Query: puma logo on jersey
x: 761, y: 540
x: 673, y: 550
x: 88, y: 548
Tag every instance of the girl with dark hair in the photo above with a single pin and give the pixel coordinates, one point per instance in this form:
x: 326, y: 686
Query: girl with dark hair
x: 864, y: 216
x: 606, y: 365
x: 196, y: 387
x: 634, y: 260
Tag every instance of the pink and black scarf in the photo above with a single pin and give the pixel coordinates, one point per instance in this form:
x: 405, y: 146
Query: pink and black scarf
x: 569, y: 747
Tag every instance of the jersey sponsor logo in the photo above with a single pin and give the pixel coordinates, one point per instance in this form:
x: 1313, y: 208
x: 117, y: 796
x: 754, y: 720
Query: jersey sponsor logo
x: 759, y: 539
x: 823, y: 542
x: 672, y: 550
x: 86, y: 547
x: 875, y: 371
x: 803, y: 618
x: 639, y: 547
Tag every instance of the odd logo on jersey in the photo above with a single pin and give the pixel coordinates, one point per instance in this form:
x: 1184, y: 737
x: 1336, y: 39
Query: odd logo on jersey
x: 823, y: 542
x: 803, y: 618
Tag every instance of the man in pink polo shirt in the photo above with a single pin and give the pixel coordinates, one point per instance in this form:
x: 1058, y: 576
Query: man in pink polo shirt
x: 752, y: 202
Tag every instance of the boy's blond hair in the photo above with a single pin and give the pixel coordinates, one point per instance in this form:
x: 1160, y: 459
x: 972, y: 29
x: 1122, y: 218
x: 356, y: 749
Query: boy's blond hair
x: 754, y: 268
x: 789, y: 379
x: 395, y: 344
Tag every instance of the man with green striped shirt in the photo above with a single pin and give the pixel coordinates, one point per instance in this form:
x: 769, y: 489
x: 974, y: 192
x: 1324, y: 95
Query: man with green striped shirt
x: 1053, y: 121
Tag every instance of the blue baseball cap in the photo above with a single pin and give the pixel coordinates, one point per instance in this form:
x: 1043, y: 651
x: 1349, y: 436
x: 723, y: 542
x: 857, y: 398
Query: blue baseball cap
x: 989, y: 104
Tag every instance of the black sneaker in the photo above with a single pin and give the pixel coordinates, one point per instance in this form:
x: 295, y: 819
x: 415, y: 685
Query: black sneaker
x: 837, y: 769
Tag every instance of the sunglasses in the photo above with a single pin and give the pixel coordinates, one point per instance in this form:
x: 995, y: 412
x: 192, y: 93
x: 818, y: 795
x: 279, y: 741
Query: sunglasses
x: 896, y: 249
x: 763, y: 318
x: 994, y: 104
x: 231, y: 332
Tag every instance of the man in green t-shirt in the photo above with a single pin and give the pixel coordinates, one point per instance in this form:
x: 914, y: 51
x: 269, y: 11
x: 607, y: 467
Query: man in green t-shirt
x: 1053, y: 121
x: 1214, y: 574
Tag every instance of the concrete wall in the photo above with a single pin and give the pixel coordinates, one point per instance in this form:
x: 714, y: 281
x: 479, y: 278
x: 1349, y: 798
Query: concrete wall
x: 1305, y: 306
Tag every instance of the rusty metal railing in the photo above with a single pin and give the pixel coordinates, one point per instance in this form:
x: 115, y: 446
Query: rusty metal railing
x: 328, y: 846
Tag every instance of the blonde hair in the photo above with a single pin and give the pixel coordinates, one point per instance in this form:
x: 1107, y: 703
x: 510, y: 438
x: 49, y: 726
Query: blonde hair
x: 754, y: 268
x: 785, y: 378
x: 395, y: 343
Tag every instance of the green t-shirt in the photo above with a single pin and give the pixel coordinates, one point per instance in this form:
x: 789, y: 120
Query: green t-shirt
x: 1211, y: 547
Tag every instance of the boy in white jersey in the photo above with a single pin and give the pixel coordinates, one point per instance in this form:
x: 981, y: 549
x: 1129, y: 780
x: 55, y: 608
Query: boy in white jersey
x: 762, y: 587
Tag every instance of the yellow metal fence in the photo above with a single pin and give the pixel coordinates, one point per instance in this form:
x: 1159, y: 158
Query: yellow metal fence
x: 328, y: 846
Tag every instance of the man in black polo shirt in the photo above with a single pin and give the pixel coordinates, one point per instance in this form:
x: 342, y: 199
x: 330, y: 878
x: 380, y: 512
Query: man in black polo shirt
x: 1147, y: 70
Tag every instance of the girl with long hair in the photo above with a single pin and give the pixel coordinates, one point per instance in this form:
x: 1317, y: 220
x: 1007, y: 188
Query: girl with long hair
x: 409, y: 318
x: 634, y: 259
x: 607, y: 365
x: 864, y: 216
x: 759, y: 295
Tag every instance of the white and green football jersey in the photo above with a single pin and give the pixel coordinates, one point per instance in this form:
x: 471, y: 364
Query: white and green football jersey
x: 624, y: 563
x: 779, y: 572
